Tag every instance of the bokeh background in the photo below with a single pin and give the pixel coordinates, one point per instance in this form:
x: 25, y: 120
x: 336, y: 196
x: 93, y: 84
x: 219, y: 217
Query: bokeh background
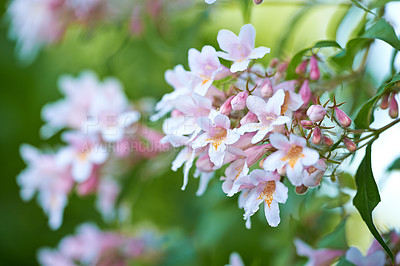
x: 197, y: 231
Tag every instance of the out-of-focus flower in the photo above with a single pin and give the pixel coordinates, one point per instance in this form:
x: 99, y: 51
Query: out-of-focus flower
x: 235, y: 260
x: 376, y: 258
x: 240, y: 49
x: 317, y: 257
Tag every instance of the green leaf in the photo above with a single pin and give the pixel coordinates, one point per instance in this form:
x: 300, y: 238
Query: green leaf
x: 367, y: 197
x: 336, y: 239
x: 394, y: 166
x: 382, y: 30
x: 357, y: 4
x: 327, y: 43
x: 365, y: 117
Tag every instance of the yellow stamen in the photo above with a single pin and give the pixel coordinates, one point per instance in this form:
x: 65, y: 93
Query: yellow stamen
x: 218, y: 137
x: 285, y: 104
x: 293, y: 155
x: 268, y: 193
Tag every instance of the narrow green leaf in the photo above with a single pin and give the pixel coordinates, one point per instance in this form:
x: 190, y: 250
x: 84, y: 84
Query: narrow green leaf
x: 365, y: 116
x: 382, y: 30
x: 357, y: 4
x: 394, y: 166
x: 367, y: 197
x: 336, y: 239
x: 327, y: 43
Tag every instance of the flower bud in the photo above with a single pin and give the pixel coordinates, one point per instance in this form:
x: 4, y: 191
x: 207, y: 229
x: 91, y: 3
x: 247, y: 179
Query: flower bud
x: 226, y: 107
x: 257, y: 2
x: 301, y: 189
x: 305, y: 93
x: 314, y: 70
x: 248, y: 118
x: 316, y: 138
x: 343, y: 118
x: 350, y: 145
x: 327, y: 140
x: 256, y: 152
x: 266, y: 89
x: 239, y: 101
x: 301, y: 69
x: 316, y: 113
x: 385, y: 102
x: 393, y: 107
x: 306, y: 124
x: 274, y: 62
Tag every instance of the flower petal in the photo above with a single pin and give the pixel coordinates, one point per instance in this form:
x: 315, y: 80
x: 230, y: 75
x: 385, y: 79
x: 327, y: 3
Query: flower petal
x: 272, y: 213
x: 310, y: 157
x: 259, y: 52
x: 225, y: 39
x: 256, y: 105
x: 274, y: 103
x: 273, y: 161
x: 279, y: 141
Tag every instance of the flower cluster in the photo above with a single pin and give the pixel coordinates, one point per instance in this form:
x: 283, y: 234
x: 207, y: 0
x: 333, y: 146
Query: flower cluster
x: 102, y: 129
x: 244, y: 114
x: 91, y: 246
x: 375, y: 254
x: 389, y: 101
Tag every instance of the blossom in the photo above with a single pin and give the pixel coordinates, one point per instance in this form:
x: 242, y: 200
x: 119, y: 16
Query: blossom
x: 218, y: 134
x: 292, y: 153
x: 312, y: 175
x: 83, y: 153
x: 107, y: 193
x: 206, y: 66
x: 240, y: 49
x: 376, y: 258
x: 268, y: 114
x: 269, y: 189
x: 51, y: 180
x: 210, y: 1
x: 317, y: 257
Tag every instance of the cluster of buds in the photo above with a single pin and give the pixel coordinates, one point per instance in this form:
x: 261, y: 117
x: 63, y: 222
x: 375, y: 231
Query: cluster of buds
x: 91, y: 246
x: 374, y: 256
x: 104, y: 128
x: 389, y: 101
x: 243, y: 116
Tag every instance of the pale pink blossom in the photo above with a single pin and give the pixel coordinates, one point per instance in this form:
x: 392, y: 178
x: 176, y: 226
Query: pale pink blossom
x: 268, y: 114
x: 268, y: 189
x: 317, y: 257
x: 240, y: 49
x: 312, y: 175
x: 107, y: 193
x: 235, y: 260
x: 316, y: 113
x: 293, y: 154
x: 217, y: 134
x: 377, y: 258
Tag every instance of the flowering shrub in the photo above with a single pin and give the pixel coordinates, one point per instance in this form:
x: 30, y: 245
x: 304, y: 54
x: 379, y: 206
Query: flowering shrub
x: 273, y: 133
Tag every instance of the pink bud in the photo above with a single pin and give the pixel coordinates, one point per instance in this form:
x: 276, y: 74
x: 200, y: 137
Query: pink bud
x: 343, y: 118
x: 257, y: 2
x: 316, y: 113
x: 301, y: 69
x: 314, y: 70
x: 274, y: 62
x: 136, y: 23
x: 306, y: 124
x: 239, y: 101
x: 248, y: 118
x: 385, y: 102
x: 266, y: 88
x: 316, y: 138
x: 393, y: 106
x: 305, y: 93
x: 226, y: 107
x: 327, y: 140
x: 350, y: 145
x: 256, y: 152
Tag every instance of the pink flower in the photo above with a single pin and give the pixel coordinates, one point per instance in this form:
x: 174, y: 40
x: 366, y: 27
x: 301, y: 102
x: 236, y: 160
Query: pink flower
x: 206, y: 66
x: 218, y: 134
x: 52, y: 181
x: 317, y: 257
x: 314, y: 70
x: 107, y: 193
x: 268, y: 189
x: 84, y: 152
x: 292, y: 153
x: 268, y: 114
x: 240, y: 49
x: 377, y: 258
x: 312, y: 175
